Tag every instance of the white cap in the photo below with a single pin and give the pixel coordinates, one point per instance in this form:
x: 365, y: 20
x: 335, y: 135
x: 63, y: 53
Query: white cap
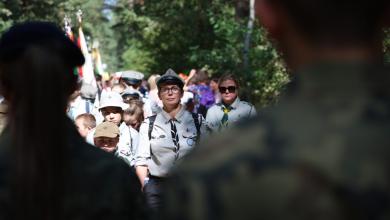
x: 132, y: 74
x: 112, y: 99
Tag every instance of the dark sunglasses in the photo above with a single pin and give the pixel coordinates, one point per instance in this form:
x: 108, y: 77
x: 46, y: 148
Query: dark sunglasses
x: 229, y: 89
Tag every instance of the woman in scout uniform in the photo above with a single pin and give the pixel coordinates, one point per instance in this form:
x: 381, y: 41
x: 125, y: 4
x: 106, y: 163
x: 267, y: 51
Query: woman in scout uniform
x: 231, y: 109
x: 165, y: 137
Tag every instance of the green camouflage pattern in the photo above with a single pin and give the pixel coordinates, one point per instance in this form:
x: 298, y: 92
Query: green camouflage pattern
x: 323, y: 152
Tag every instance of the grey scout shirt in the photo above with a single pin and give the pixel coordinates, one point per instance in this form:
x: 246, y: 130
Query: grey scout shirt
x: 240, y: 110
x: 158, y: 153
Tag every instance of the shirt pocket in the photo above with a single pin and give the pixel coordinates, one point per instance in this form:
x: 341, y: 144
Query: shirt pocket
x: 161, y: 143
x: 159, y: 139
x: 190, y: 138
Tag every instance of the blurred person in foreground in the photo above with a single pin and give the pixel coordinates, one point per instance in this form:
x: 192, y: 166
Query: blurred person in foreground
x: 47, y: 171
x: 3, y: 115
x: 323, y: 151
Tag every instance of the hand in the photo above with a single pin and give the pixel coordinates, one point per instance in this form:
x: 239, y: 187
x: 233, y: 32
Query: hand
x: 146, y: 180
x: 192, y: 73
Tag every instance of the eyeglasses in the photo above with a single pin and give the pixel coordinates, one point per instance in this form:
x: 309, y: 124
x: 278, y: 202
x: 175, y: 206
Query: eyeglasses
x: 229, y: 89
x: 174, y: 90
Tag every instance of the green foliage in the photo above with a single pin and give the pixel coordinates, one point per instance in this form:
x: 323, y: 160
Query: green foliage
x: 161, y: 34
x: 136, y: 58
x: 200, y: 34
x: 96, y: 26
x: 5, y: 15
x: 186, y: 34
x: 33, y: 10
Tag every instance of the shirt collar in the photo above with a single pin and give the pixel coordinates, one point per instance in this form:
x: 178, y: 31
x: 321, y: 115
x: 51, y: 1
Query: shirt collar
x: 178, y: 117
x: 122, y: 125
x: 234, y: 105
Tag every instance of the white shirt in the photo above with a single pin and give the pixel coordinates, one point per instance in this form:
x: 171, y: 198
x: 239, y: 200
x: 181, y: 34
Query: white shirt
x: 80, y: 106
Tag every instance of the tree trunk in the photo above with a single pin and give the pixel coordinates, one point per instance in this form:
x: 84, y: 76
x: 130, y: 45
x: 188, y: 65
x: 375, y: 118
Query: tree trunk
x: 249, y: 34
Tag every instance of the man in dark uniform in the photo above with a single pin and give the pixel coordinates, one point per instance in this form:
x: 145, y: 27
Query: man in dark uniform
x: 323, y: 151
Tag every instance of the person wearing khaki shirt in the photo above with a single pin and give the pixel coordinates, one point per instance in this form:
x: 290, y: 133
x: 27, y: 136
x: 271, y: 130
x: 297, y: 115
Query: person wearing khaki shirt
x: 171, y: 135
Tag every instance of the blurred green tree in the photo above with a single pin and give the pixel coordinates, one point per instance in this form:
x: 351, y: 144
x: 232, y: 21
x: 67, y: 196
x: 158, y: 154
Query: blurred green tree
x: 154, y: 35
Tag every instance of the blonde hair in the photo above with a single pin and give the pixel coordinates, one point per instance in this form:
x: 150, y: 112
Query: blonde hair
x: 89, y: 120
x: 152, y: 81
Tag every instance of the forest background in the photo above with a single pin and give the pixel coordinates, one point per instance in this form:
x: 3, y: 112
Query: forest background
x: 151, y: 36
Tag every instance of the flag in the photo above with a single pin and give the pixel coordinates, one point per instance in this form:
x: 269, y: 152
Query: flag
x: 69, y: 32
x: 97, y: 60
x: 86, y: 71
x: 70, y: 35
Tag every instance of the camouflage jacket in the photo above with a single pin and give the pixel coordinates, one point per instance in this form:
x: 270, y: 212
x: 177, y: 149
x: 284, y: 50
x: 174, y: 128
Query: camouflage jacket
x: 321, y: 153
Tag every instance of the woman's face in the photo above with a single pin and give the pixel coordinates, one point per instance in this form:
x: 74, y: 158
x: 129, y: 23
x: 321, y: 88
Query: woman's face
x: 170, y: 95
x: 229, y: 91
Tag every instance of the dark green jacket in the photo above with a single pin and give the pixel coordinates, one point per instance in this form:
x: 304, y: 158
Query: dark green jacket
x: 323, y: 152
x: 97, y: 184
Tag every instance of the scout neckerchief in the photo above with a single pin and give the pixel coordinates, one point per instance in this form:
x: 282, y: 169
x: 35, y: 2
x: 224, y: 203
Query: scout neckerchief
x: 175, y: 137
x: 225, y: 117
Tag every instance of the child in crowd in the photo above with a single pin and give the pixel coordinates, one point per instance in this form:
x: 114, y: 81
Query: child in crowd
x: 85, y: 123
x: 111, y: 108
x: 106, y: 137
x: 134, y: 114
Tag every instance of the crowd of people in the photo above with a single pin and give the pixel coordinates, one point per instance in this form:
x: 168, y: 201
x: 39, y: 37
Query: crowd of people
x: 150, y: 125
x: 152, y: 129
x: 174, y: 149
